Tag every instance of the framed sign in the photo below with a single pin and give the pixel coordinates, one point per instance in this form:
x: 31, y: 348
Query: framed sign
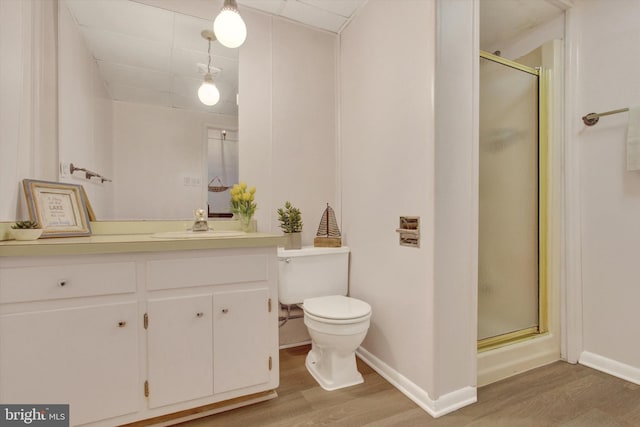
x: 58, y: 208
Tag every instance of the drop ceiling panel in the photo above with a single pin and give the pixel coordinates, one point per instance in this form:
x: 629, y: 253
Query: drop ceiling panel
x: 190, y: 102
x: 228, y: 70
x: 273, y: 7
x: 124, y: 49
x: 227, y: 92
x: 229, y: 108
x: 311, y: 15
x: 186, y: 85
x: 125, y: 17
x: 187, y: 36
x: 151, y: 53
x: 188, y: 63
x: 344, y: 8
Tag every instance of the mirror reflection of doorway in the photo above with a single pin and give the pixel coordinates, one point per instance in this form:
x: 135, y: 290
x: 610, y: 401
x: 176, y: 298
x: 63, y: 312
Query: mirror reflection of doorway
x: 511, y: 289
x: 222, y: 166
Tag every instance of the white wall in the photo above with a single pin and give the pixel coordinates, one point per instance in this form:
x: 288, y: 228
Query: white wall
x: 387, y: 171
x: 387, y: 146
x: 287, y: 119
x: 287, y: 122
x: 28, y: 105
x: 155, y: 149
x: 605, y: 38
x: 409, y: 147
x: 456, y: 200
x: 85, y: 116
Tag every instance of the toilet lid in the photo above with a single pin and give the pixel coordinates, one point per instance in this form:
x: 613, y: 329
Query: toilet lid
x: 336, y: 307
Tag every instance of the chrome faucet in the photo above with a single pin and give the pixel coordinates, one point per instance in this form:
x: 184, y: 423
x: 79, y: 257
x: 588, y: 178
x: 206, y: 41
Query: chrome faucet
x: 200, y: 223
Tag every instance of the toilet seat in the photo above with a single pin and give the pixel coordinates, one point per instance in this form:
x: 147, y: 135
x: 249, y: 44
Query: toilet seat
x: 336, y: 309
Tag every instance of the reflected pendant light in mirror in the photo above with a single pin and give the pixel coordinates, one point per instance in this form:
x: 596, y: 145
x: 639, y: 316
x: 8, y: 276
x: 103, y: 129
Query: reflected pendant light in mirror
x: 208, y: 92
x: 229, y: 27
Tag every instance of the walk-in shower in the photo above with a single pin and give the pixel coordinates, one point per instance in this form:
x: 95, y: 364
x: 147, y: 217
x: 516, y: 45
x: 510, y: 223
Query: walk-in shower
x: 512, y: 219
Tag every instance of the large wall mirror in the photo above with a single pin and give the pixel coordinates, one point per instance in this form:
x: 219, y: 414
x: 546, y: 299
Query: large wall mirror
x: 128, y: 77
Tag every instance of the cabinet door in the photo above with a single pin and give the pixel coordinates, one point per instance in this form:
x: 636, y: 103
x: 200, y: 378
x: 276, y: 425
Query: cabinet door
x: 240, y: 339
x: 180, y: 349
x: 86, y: 357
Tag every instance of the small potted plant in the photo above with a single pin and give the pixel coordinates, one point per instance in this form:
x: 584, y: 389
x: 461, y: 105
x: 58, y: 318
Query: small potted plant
x: 25, y: 230
x: 291, y: 224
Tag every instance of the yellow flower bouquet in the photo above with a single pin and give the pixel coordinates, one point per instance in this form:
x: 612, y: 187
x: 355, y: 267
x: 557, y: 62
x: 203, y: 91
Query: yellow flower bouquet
x: 243, y: 204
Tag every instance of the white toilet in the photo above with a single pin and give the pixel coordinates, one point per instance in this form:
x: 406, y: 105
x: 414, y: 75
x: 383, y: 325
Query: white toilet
x: 337, y: 324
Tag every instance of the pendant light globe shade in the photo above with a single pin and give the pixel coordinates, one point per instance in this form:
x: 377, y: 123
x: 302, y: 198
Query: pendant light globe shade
x: 229, y: 28
x: 208, y: 93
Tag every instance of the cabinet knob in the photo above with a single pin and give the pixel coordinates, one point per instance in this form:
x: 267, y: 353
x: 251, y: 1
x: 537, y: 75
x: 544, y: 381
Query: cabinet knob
x: 122, y: 324
x: 199, y: 314
x: 225, y: 310
x: 62, y: 283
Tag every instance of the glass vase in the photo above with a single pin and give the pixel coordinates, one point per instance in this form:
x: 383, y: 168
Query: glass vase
x: 247, y: 224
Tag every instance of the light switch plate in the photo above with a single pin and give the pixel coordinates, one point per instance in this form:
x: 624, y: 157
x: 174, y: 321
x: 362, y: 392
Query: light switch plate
x: 65, y: 169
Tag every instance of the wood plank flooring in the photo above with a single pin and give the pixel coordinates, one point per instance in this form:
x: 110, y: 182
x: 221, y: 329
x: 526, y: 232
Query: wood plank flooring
x: 559, y: 394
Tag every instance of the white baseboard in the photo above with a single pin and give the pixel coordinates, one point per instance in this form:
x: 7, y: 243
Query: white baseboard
x: 611, y: 367
x: 436, y: 408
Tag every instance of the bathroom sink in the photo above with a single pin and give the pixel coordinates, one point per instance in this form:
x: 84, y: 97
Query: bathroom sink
x: 211, y: 234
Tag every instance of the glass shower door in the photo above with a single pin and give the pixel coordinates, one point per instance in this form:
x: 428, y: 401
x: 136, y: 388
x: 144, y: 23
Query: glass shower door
x: 508, y: 275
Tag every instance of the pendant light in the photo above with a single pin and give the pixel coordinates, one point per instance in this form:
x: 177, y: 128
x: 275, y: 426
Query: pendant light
x: 229, y: 27
x: 208, y: 92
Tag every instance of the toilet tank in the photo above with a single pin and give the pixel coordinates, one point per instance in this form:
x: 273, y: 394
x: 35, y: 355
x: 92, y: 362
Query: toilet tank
x: 312, y: 272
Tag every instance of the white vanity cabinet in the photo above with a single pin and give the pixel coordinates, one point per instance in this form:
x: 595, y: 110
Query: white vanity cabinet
x: 68, y: 335
x: 180, y: 348
x: 243, y: 356
x: 130, y: 337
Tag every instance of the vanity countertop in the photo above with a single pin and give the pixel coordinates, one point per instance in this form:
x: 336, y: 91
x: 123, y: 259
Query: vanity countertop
x: 108, y: 244
x: 122, y: 243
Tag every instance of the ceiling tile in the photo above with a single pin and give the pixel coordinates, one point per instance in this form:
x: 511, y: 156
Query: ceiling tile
x: 313, y: 16
x: 344, y: 8
x: 187, y: 36
x: 185, y: 85
x: 194, y: 64
x: 228, y: 69
x: 122, y: 49
x: 124, y: 17
x: 270, y: 6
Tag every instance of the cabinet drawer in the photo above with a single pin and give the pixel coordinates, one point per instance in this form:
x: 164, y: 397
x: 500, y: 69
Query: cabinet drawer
x: 187, y: 272
x: 21, y: 284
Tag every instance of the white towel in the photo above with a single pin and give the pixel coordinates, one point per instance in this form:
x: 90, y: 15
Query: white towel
x: 633, y: 139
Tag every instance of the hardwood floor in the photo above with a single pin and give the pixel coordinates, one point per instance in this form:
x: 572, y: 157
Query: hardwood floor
x: 559, y: 394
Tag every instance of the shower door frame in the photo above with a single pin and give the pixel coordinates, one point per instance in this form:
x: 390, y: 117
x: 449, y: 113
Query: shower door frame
x: 543, y: 194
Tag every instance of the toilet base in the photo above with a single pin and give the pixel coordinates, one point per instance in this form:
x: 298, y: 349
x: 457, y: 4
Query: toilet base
x: 343, y: 369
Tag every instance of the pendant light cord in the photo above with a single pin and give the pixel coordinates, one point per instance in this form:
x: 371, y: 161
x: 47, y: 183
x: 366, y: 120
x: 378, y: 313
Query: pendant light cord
x: 209, y: 54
